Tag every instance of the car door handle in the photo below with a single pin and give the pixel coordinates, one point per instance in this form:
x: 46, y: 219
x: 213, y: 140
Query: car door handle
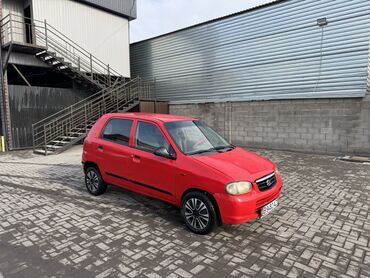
x: 135, y: 158
x: 100, y: 148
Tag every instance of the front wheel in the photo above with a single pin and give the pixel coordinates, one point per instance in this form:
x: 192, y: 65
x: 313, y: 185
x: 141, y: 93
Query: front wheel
x: 198, y: 213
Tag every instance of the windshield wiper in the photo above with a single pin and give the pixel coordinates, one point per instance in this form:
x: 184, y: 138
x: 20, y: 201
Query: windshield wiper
x: 229, y: 147
x: 202, y: 151
x: 217, y: 149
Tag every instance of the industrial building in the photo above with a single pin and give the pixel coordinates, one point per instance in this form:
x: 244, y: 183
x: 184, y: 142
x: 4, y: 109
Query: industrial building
x: 54, y: 54
x: 290, y: 74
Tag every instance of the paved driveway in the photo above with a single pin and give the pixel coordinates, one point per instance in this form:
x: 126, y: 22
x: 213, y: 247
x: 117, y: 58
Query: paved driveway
x: 50, y: 225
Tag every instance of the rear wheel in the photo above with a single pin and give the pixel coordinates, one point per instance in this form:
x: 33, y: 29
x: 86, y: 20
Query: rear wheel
x: 94, y: 181
x: 199, y: 213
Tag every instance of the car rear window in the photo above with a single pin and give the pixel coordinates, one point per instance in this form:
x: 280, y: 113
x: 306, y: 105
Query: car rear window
x: 118, y: 131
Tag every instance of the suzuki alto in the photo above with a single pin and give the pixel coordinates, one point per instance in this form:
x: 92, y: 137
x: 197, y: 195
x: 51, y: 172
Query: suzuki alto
x: 184, y: 162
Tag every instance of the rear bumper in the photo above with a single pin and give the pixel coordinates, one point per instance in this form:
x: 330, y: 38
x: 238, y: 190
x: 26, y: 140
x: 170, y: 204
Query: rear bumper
x: 236, y: 210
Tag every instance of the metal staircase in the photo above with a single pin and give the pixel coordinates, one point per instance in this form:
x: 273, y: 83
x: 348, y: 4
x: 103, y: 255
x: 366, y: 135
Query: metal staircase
x: 61, y: 130
x: 112, y: 93
x: 58, y: 51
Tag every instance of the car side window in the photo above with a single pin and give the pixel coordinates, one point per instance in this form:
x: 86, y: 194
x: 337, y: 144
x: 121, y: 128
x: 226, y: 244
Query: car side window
x: 118, y: 131
x: 149, y: 137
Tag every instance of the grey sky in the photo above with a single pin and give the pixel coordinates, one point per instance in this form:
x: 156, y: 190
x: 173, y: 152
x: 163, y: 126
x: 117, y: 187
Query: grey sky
x: 156, y: 17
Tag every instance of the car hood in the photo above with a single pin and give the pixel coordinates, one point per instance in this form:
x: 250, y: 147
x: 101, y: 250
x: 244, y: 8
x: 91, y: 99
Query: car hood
x: 238, y: 164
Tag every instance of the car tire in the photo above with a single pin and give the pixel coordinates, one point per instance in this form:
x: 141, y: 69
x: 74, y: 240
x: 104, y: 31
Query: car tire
x: 94, y: 181
x: 199, y: 213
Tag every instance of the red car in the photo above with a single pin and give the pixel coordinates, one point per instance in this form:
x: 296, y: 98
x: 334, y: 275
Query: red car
x: 182, y: 161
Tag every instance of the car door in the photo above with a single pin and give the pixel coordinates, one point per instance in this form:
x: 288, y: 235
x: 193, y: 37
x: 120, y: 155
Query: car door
x: 113, y: 148
x: 154, y: 175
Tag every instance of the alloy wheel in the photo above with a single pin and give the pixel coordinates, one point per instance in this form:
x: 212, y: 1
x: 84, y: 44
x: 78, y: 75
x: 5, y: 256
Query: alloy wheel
x: 196, y: 213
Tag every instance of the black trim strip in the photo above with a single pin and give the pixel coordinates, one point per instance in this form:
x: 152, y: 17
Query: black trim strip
x: 121, y: 13
x: 139, y: 183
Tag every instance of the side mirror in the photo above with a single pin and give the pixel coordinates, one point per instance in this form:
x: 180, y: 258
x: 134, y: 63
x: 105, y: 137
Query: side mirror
x: 163, y: 152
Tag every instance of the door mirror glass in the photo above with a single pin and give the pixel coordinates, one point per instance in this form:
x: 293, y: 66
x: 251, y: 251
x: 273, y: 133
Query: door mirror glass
x: 163, y: 152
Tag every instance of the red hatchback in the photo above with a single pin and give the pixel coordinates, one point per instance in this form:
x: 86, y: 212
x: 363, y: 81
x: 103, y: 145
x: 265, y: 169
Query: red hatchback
x: 184, y: 162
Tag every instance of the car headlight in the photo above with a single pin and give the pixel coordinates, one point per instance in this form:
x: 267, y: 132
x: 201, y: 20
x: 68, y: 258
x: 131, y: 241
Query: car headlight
x: 238, y: 188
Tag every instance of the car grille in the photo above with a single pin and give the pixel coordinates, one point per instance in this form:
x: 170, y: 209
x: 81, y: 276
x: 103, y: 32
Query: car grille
x: 266, y: 182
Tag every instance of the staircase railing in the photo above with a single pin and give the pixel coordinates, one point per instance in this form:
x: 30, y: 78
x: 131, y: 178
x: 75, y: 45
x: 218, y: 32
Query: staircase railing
x: 27, y: 31
x: 116, y: 95
x: 79, y: 115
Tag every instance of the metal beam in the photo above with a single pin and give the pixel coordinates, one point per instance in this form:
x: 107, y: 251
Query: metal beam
x: 6, y: 61
x: 7, y: 119
x: 23, y: 77
x: 3, y: 124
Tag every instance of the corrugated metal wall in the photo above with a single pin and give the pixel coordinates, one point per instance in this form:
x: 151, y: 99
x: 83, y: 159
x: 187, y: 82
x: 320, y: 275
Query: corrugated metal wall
x: 273, y: 52
x: 99, y: 32
x: 29, y: 105
x: 122, y: 7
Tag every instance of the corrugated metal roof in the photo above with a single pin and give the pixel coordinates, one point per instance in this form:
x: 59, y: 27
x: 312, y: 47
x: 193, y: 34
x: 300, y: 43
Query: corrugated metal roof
x: 126, y: 8
x: 275, y: 51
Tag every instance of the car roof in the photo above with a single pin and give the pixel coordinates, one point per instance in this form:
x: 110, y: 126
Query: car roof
x: 153, y: 117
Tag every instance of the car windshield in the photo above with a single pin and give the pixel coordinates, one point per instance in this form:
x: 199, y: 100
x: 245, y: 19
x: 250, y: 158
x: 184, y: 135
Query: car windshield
x: 195, y: 137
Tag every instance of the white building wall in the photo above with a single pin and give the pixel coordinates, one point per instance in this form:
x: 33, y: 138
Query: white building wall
x: 105, y: 35
x: 14, y: 7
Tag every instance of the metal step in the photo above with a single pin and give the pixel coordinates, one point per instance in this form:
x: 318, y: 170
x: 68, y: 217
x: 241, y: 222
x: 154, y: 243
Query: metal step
x: 54, y: 147
x: 55, y: 62
x: 77, y: 133
x: 42, y: 53
x: 48, y: 58
x: 68, y: 137
x: 82, y: 128
x: 41, y: 151
x: 60, y: 142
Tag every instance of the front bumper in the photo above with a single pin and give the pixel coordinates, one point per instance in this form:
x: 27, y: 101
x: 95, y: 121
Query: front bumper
x: 236, y: 210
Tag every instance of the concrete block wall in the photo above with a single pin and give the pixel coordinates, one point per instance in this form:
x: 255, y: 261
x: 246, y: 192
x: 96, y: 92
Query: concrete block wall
x: 330, y: 126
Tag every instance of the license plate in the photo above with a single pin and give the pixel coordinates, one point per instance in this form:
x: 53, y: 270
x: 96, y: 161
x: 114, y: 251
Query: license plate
x: 268, y: 208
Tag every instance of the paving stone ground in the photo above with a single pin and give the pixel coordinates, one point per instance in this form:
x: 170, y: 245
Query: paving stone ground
x: 51, y: 227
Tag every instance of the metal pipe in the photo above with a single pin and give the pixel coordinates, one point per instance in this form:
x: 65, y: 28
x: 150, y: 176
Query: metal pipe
x: 2, y: 144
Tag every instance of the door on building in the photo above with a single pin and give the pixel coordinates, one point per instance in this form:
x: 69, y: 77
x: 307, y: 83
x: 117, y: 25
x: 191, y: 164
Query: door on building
x: 28, y: 25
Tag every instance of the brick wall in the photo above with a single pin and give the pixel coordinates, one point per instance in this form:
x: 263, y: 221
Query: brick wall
x: 333, y: 126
